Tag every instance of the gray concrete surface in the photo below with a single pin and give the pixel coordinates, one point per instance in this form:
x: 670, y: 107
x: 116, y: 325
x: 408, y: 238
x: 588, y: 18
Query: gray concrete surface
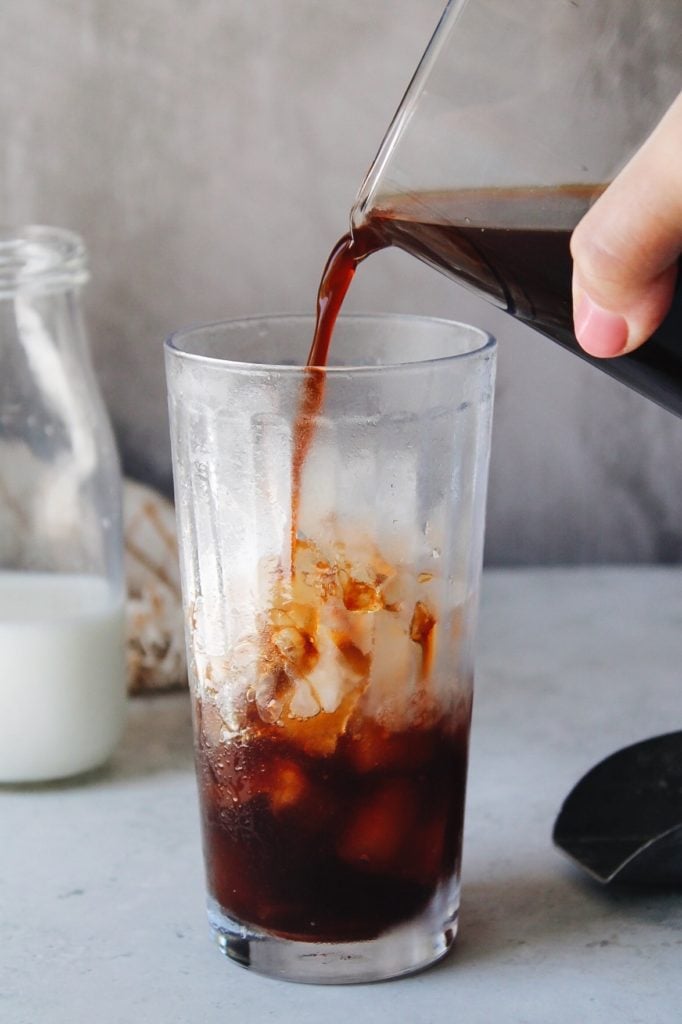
x: 101, y: 887
x: 209, y: 151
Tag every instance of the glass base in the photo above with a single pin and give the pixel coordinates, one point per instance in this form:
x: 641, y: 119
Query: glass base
x: 400, y: 951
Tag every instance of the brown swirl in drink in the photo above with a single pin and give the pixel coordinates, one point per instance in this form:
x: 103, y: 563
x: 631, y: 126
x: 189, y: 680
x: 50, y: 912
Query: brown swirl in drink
x: 333, y: 804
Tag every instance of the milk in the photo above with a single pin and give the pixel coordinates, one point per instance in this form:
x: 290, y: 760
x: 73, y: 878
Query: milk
x: 62, y: 681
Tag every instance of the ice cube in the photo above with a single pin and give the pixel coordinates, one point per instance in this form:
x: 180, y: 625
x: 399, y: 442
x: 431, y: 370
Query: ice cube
x: 396, y: 486
x: 361, y: 597
x: 372, y: 747
x: 395, y: 669
x: 211, y: 723
x: 379, y: 828
x: 303, y: 703
x: 319, y: 502
x: 334, y: 674
x: 287, y: 784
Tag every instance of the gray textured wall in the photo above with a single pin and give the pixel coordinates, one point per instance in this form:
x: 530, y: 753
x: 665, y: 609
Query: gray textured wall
x: 208, y: 151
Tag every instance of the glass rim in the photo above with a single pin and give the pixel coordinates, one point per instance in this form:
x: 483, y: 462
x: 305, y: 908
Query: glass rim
x: 487, y: 345
x: 40, y: 257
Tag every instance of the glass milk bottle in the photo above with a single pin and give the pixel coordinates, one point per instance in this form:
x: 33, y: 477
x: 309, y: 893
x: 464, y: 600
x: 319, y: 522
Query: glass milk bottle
x: 62, y: 682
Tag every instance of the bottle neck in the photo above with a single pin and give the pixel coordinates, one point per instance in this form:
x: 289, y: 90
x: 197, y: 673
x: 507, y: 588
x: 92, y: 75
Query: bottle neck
x: 44, y: 354
x: 41, y: 261
x: 41, y: 272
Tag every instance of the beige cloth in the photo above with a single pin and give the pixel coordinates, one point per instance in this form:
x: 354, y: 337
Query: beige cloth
x: 155, y: 648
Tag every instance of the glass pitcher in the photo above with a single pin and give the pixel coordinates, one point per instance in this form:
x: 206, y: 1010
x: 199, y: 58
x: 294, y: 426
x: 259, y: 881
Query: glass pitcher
x: 62, y: 683
x: 518, y: 116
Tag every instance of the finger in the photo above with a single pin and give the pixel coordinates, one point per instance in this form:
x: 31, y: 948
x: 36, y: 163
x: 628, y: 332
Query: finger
x: 625, y: 250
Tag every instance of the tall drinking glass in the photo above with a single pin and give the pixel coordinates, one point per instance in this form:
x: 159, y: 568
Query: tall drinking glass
x: 330, y: 630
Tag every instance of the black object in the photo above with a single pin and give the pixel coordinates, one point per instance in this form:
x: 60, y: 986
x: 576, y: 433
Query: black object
x: 623, y: 821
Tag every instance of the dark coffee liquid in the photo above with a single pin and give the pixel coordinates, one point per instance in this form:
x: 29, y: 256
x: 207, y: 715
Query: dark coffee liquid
x: 332, y: 847
x: 333, y: 826
x: 513, y: 246
x: 334, y: 284
x: 336, y: 278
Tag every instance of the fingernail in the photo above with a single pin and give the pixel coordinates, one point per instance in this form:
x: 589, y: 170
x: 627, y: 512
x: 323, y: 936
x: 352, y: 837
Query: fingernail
x: 600, y: 332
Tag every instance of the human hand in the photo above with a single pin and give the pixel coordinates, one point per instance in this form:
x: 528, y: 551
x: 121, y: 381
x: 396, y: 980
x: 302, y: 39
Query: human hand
x: 626, y: 248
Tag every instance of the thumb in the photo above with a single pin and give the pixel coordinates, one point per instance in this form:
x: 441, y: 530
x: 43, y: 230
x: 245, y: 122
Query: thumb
x: 625, y: 249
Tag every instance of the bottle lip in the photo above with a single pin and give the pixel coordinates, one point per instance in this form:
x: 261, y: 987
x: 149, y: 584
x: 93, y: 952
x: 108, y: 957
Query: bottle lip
x: 36, y: 257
